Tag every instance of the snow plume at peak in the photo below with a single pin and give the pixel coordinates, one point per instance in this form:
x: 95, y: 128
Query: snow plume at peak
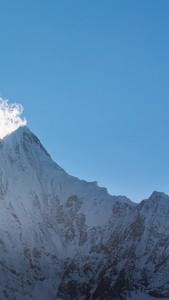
x: 10, y: 119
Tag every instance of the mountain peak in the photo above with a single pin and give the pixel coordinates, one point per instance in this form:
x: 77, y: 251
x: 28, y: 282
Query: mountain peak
x: 23, y: 137
x: 65, y: 238
x: 159, y: 196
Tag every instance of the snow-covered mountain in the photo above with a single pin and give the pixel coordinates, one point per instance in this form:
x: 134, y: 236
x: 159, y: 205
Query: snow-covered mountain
x: 65, y: 238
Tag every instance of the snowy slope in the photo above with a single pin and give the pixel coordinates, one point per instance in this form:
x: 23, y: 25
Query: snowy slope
x: 65, y: 238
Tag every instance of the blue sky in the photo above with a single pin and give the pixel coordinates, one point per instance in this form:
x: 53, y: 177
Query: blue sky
x: 93, y: 77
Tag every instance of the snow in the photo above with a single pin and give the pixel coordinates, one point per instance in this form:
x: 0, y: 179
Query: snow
x: 55, y: 228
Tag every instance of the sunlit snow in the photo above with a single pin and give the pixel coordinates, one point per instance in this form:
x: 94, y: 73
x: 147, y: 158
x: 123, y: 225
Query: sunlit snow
x: 10, y: 119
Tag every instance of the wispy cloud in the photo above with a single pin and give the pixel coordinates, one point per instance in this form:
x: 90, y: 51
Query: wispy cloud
x: 10, y: 119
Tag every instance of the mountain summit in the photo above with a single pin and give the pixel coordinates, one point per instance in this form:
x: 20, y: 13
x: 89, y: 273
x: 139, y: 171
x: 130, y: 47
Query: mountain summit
x: 65, y: 238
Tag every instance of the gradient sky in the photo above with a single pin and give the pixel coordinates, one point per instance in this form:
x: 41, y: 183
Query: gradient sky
x: 93, y: 77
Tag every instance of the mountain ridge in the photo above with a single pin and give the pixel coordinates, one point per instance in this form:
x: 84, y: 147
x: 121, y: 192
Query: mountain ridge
x: 65, y: 238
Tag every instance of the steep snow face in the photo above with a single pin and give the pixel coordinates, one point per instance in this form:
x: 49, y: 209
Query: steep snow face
x: 28, y: 168
x: 65, y: 238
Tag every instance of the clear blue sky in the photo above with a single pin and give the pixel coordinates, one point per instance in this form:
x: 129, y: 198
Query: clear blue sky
x: 93, y: 77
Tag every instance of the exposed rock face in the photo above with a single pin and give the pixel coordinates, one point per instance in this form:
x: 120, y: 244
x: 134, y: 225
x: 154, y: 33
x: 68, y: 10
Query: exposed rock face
x: 63, y: 238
